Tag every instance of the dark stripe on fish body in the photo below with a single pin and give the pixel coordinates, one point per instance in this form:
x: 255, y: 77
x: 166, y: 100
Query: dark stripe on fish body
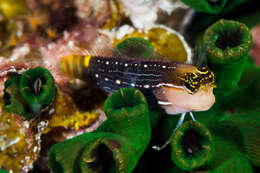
x: 114, y: 73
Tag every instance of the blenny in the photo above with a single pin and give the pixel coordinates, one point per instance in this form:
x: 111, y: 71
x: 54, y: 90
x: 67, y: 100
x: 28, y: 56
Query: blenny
x: 177, y: 87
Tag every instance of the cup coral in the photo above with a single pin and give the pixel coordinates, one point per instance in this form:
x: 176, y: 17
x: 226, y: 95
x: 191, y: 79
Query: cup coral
x: 192, y: 146
x: 29, y: 93
x: 115, y: 146
x: 227, y: 44
x: 37, y: 88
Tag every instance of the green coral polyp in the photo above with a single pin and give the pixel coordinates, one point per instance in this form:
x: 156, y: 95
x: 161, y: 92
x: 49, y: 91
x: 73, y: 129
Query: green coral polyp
x: 3, y: 171
x: 227, y: 45
x: 227, y: 39
x: 124, y: 99
x: 37, y: 88
x: 207, y: 6
x: 12, y: 95
x: 115, y: 146
x: 191, y: 146
x: 136, y: 46
x: 29, y: 93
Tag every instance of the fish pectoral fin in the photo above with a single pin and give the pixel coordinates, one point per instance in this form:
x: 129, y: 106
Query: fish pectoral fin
x: 167, y: 105
x: 160, y: 95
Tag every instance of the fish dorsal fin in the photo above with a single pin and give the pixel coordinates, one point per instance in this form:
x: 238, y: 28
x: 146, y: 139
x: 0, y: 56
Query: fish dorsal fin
x: 199, y: 56
x: 99, y: 47
x: 128, y: 48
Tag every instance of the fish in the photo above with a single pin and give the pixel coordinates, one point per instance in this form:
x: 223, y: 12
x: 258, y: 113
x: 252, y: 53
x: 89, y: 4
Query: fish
x: 177, y: 87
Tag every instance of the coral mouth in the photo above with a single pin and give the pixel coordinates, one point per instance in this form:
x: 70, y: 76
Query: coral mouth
x: 229, y: 38
x: 191, y: 142
x: 104, y: 159
x: 192, y: 146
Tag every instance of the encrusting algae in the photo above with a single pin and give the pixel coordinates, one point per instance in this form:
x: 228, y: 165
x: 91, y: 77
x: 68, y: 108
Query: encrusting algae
x: 68, y: 116
x: 19, y: 144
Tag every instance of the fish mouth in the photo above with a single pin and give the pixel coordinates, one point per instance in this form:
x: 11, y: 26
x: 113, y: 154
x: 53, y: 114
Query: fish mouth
x: 182, y: 101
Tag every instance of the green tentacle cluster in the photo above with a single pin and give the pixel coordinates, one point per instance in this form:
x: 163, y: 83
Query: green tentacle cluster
x: 29, y: 93
x: 115, y: 146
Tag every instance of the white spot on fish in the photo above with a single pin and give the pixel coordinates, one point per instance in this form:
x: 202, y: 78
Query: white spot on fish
x: 170, y: 85
x: 145, y: 66
x: 146, y: 86
x: 164, y: 103
x: 97, y: 75
x: 107, y: 62
x: 106, y: 79
x: 118, y: 81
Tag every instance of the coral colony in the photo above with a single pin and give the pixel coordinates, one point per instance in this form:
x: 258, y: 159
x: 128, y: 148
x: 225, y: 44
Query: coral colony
x: 104, y: 86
